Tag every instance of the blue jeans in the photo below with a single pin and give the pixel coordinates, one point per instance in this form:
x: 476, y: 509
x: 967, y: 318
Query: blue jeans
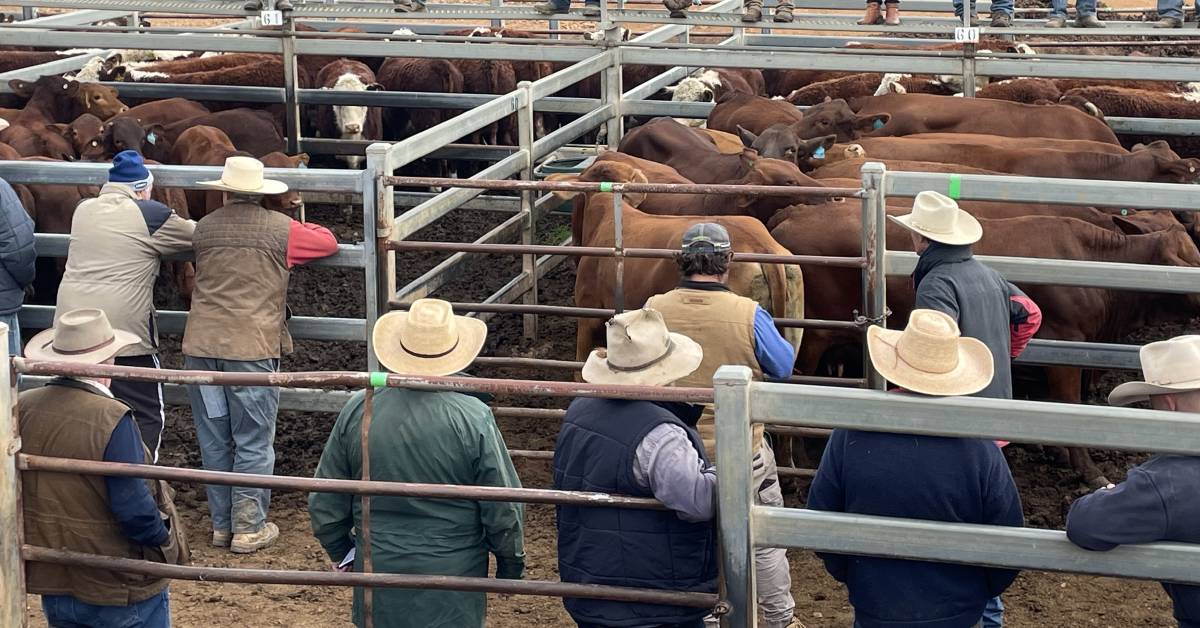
x: 14, y: 333
x: 64, y: 611
x: 1058, y: 8
x: 993, y: 613
x: 1170, y: 8
x: 1004, y: 6
x: 236, y: 429
x: 563, y: 5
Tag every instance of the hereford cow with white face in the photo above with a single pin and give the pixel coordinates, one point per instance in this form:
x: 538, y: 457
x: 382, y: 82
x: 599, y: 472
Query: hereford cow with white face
x: 349, y: 122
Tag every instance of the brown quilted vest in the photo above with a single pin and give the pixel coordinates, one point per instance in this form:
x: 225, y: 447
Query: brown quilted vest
x: 67, y: 511
x: 239, y: 306
x: 723, y: 324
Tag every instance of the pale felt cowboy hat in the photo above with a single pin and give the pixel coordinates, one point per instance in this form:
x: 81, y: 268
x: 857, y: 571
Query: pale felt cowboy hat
x: 1170, y: 366
x: 83, y: 336
x: 244, y: 175
x: 930, y: 356
x: 939, y: 218
x: 428, y: 339
x: 641, y: 351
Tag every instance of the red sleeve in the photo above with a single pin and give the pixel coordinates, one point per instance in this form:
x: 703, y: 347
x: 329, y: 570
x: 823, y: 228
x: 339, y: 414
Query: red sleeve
x: 1025, y: 318
x: 308, y: 242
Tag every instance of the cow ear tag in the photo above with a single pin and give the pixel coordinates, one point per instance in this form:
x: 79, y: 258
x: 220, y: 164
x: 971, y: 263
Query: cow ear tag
x: 878, y: 124
x: 151, y: 137
x: 302, y: 165
x: 819, y: 153
x: 1124, y: 212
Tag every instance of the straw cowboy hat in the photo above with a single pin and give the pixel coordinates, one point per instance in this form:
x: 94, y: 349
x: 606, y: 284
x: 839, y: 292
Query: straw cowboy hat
x: 83, y: 336
x: 641, y: 351
x: 428, y: 339
x: 930, y: 356
x: 938, y: 217
x: 244, y: 175
x: 1170, y: 366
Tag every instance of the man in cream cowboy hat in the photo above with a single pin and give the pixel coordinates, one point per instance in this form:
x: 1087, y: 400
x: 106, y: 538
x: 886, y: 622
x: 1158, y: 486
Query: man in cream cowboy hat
x: 932, y: 478
x: 1159, y: 499
x: 238, y: 323
x: 121, y: 517
x: 641, y: 448
x: 423, y: 436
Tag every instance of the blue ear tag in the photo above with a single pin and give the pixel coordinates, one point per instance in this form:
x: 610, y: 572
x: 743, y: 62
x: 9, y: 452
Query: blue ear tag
x: 151, y: 137
x: 819, y: 153
x: 878, y: 123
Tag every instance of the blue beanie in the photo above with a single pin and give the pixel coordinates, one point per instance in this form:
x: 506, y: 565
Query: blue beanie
x: 128, y: 167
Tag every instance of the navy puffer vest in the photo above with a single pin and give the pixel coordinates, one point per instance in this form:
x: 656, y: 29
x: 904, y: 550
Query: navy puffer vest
x: 619, y: 546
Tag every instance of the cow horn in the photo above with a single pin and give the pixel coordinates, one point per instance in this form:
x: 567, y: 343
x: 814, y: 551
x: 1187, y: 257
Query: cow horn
x: 1094, y: 110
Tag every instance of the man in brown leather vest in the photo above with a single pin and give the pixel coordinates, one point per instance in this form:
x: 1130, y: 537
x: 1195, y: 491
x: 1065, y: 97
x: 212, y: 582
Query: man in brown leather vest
x: 123, y: 517
x: 238, y: 323
x: 733, y: 329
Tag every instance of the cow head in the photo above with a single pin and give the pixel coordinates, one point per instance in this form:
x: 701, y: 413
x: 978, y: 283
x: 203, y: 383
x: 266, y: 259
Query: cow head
x: 84, y: 134
x: 780, y: 141
x: 613, y: 171
x: 778, y: 172
x: 99, y: 100
x: 351, y: 120
x: 289, y: 203
x: 54, y: 96
x: 123, y: 134
x: 1168, y: 166
x: 836, y: 117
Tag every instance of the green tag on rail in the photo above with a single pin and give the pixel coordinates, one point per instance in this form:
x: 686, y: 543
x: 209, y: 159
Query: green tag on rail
x: 955, y: 189
x: 379, y: 380
x: 606, y: 186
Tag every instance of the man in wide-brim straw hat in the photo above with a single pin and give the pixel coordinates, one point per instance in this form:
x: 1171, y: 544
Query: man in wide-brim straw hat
x: 1159, y: 499
x: 958, y: 480
x: 430, y: 437
x: 110, y: 516
x: 640, y: 448
x: 238, y: 323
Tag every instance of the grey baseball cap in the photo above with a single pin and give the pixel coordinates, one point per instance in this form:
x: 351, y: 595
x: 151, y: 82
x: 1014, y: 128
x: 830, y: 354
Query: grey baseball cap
x: 706, y: 236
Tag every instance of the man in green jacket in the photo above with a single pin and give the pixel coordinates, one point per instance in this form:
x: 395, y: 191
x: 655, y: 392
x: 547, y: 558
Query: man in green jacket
x: 426, y: 437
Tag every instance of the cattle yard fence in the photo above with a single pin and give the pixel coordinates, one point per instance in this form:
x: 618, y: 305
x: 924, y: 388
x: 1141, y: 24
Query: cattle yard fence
x: 746, y: 526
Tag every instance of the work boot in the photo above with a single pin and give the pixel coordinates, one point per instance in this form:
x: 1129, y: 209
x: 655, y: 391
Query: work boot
x: 1000, y: 19
x: 251, y: 542
x: 1057, y: 21
x: 892, y: 14
x: 252, y: 5
x: 783, y: 13
x: 678, y: 8
x: 872, y: 16
x: 752, y: 12
x: 221, y: 538
x: 590, y: 10
x: 1169, y: 22
x: 283, y: 5
x: 548, y: 8
x: 407, y: 6
x: 1088, y: 21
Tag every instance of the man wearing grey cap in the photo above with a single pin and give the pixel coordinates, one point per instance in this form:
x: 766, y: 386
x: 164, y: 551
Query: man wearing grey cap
x: 733, y: 329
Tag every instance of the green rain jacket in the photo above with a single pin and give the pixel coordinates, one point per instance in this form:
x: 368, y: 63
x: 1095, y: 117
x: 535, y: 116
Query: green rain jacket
x: 425, y: 437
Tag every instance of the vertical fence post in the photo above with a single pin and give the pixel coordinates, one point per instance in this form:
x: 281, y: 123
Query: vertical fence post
x: 619, y: 247
x: 874, y: 248
x: 290, y: 81
x: 379, y: 262
x: 968, y: 55
x: 611, y: 92
x: 525, y: 131
x: 731, y: 390
x: 12, y: 569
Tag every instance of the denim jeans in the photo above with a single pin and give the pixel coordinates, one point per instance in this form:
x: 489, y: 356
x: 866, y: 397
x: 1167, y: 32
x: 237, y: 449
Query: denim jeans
x: 236, y: 429
x: 993, y: 613
x: 1058, y: 8
x: 14, y: 333
x: 563, y: 5
x: 1004, y: 6
x: 64, y: 611
x: 1170, y: 8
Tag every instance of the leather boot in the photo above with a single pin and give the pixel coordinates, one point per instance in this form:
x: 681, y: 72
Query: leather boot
x: 783, y: 12
x: 872, y: 16
x: 752, y: 11
x: 892, y: 14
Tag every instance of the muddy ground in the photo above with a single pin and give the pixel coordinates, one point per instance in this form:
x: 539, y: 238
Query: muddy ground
x: 1036, y: 599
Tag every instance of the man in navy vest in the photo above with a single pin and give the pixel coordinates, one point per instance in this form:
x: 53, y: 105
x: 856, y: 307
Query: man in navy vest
x: 644, y: 449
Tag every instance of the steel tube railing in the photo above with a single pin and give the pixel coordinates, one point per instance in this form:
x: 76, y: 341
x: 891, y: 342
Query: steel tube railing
x: 597, y: 251
x: 661, y: 188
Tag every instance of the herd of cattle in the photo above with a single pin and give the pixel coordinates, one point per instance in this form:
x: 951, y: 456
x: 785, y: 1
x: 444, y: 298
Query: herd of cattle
x: 754, y: 135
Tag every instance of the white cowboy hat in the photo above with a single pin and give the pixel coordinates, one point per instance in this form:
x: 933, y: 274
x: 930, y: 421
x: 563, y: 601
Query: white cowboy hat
x: 642, y: 352
x: 930, y: 356
x: 1170, y: 366
x: 244, y: 175
x: 428, y: 339
x: 938, y: 217
x: 83, y: 336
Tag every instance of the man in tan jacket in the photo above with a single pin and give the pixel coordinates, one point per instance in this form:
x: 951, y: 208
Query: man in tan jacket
x: 733, y: 330
x: 118, y: 241
x: 238, y: 323
x: 111, y: 516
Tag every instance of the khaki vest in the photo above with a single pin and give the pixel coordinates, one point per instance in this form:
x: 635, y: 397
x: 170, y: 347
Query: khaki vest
x: 723, y: 324
x: 239, y: 306
x: 69, y: 511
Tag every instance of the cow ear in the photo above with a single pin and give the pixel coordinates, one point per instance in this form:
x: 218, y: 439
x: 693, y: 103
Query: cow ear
x: 825, y: 143
x: 62, y: 129
x: 23, y: 89
x: 1126, y: 226
x: 871, y: 123
x: 563, y: 195
x: 747, y: 137
x: 301, y: 160
x: 71, y: 88
x: 635, y: 199
x: 828, y: 99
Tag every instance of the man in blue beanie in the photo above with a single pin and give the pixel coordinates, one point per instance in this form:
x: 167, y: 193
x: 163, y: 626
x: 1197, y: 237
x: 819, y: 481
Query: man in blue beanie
x: 17, y: 257
x: 118, y: 240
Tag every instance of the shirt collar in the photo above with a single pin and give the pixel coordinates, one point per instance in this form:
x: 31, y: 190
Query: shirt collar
x: 84, y: 384
x: 711, y: 286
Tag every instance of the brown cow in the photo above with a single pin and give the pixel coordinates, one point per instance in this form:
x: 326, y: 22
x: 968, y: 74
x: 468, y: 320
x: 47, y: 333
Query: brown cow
x: 1027, y: 90
x: 39, y: 141
x: 349, y: 122
x: 405, y: 74
x: 128, y: 134
x: 121, y: 72
x: 251, y: 130
x: 1138, y: 103
x: 755, y: 113
x: 166, y: 111
x: 783, y: 82
x: 924, y: 113
x: 85, y: 135
x: 1069, y: 313
x: 1013, y: 142
x: 852, y: 168
x: 490, y: 76
x: 50, y: 99
x: 762, y: 115
x: 1154, y: 163
x: 208, y: 146
x: 864, y: 84
x: 780, y: 141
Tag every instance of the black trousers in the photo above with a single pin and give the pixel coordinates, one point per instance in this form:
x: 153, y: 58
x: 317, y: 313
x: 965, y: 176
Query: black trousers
x: 146, y: 400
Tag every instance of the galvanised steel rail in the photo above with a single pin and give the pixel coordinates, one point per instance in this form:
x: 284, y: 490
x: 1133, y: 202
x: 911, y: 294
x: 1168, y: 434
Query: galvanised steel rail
x: 745, y: 526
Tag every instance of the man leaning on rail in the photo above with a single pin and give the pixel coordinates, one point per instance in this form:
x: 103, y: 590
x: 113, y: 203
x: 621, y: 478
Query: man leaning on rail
x: 1159, y: 499
x: 733, y: 330
x: 75, y: 417
x: 238, y: 324
x: 429, y: 437
x: 644, y: 449
x: 957, y: 480
x: 18, y: 259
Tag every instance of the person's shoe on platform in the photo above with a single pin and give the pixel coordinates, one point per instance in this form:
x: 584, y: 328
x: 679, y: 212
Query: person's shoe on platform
x: 548, y: 8
x: 1000, y: 19
x: 783, y: 14
x: 221, y: 538
x: 1169, y: 22
x: 1056, y: 21
x: 872, y: 16
x: 251, y: 542
x: 891, y: 16
x: 1088, y: 21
